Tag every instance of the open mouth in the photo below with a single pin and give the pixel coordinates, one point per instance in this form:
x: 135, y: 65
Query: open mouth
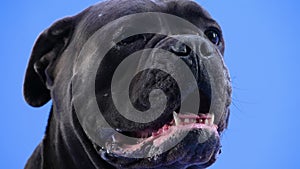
x: 184, y: 137
x: 154, y: 143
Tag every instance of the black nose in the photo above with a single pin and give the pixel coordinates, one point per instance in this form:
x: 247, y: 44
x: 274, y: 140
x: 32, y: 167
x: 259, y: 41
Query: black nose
x: 180, y: 49
x: 193, y: 51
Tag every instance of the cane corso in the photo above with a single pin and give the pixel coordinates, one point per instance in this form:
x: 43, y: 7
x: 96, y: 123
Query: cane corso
x: 61, y: 69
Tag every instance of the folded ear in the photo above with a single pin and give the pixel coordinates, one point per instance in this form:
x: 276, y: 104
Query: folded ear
x: 46, y: 50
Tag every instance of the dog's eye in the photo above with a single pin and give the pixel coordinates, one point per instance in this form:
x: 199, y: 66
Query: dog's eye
x: 213, y: 35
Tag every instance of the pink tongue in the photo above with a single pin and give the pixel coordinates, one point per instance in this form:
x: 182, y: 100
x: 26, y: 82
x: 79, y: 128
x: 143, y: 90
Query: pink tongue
x: 167, y: 136
x: 167, y: 132
x: 161, y: 130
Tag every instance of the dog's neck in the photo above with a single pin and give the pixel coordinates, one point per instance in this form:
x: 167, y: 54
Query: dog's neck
x: 61, y: 146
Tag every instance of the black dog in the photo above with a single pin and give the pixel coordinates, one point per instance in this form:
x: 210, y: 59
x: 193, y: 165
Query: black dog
x: 58, y: 69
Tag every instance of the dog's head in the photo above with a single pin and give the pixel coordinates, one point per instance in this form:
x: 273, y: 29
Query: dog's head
x: 146, y: 79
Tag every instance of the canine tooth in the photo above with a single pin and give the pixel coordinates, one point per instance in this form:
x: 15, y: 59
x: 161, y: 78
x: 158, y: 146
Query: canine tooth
x: 176, y: 118
x: 206, y: 122
x: 212, y: 120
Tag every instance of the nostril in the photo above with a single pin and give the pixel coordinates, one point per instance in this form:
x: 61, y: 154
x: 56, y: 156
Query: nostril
x: 206, y: 49
x: 180, y: 49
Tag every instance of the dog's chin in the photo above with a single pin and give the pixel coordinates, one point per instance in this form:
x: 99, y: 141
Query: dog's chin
x: 188, y: 140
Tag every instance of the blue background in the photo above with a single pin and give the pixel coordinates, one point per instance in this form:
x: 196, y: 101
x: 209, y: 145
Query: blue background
x: 262, y: 45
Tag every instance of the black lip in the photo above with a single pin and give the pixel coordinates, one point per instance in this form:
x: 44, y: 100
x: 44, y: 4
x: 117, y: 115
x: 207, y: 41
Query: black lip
x: 187, y: 152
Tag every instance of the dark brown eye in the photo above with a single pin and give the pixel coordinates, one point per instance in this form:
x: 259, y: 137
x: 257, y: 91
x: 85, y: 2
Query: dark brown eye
x: 213, y: 35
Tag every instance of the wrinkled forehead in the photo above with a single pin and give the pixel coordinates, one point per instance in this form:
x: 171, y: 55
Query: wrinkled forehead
x: 105, y: 37
x: 104, y: 13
